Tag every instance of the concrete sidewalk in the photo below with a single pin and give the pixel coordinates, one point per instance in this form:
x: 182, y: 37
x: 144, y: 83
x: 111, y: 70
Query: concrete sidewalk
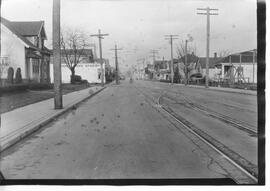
x: 17, y: 124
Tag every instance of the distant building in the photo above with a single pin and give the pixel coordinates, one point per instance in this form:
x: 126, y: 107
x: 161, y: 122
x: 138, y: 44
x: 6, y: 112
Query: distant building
x: 239, y: 67
x: 193, y: 66
x: 162, y: 69
x: 22, y: 46
x: 214, y: 70
x: 88, y: 68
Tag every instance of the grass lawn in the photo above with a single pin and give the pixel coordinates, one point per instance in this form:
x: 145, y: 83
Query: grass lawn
x: 11, y: 101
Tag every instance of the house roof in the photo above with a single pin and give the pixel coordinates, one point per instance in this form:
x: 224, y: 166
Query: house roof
x: 13, y: 29
x: 247, y: 57
x: 24, y: 29
x: 87, y: 52
x: 212, y: 61
x: 191, y: 58
x: 161, y: 64
x: 31, y: 28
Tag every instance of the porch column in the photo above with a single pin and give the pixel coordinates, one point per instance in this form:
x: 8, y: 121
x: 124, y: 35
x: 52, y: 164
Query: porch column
x: 41, y: 70
x: 48, y: 72
x: 30, y: 69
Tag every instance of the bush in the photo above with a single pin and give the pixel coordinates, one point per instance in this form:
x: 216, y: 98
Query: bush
x: 75, y: 78
x: 10, y: 75
x: 18, y: 76
x: 14, y: 88
x: 24, y: 87
x: 38, y: 86
x: 166, y: 81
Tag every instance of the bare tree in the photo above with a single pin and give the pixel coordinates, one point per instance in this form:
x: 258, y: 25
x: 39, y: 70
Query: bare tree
x: 73, y: 46
x: 223, y: 53
x: 191, y: 57
x: 181, y: 52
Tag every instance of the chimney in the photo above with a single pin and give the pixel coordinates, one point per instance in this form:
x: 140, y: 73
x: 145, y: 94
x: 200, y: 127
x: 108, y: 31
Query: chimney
x: 215, y: 55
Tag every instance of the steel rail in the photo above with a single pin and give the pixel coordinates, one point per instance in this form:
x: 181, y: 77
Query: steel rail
x: 254, y: 178
x: 240, y: 124
x: 211, y: 145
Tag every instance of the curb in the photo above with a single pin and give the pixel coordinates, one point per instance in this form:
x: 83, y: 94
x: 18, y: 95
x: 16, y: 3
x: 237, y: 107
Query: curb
x: 44, y: 122
x: 220, y: 90
x: 252, y: 93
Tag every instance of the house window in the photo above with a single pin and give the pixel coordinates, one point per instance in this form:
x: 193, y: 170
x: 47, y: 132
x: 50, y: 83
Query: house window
x: 4, y: 61
x: 35, y: 63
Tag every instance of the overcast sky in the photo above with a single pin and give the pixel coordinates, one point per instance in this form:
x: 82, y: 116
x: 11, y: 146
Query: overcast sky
x: 142, y: 24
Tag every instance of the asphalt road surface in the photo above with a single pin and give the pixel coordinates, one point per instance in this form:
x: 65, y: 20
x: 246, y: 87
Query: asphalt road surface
x: 122, y: 133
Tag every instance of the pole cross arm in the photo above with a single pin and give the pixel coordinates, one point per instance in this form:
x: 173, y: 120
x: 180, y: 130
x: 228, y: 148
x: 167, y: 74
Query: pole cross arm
x: 207, y: 9
x: 170, y: 38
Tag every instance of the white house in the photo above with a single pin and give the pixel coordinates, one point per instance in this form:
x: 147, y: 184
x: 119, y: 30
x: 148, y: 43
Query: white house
x: 22, y: 46
x: 239, y: 67
x: 88, y: 67
x: 88, y: 71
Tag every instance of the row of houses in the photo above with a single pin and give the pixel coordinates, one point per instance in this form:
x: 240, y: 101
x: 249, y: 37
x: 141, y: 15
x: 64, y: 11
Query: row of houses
x: 233, y: 68
x: 23, y: 48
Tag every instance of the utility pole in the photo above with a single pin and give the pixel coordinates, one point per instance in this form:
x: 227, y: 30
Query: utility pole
x: 58, y: 100
x: 116, y: 64
x: 154, y: 52
x: 190, y: 39
x: 208, y: 10
x: 186, y: 69
x: 100, y: 36
x: 253, y: 63
x: 141, y: 61
x: 171, y: 38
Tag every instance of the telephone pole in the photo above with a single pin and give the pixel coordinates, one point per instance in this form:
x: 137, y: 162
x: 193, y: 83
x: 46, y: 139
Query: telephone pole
x: 154, y: 52
x: 139, y: 62
x: 116, y: 64
x: 57, y: 84
x: 100, y: 36
x: 207, y: 13
x: 171, y: 38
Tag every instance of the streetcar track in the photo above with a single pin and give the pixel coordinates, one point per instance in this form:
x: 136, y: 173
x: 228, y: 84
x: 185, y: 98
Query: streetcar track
x: 238, y: 161
x: 226, y: 119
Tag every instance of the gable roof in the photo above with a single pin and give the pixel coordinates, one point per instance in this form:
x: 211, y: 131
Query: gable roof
x: 13, y: 29
x: 212, y: 61
x: 32, y: 28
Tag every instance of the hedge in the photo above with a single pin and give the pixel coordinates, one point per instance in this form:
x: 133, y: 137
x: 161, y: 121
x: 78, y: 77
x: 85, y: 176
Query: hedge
x: 24, y: 87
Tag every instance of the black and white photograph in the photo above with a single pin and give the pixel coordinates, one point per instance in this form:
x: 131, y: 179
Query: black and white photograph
x: 132, y: 92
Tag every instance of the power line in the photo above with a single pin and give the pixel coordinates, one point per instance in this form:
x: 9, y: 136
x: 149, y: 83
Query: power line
x: 100, y: 36
x: 207, y: 13
x: 171, y: 38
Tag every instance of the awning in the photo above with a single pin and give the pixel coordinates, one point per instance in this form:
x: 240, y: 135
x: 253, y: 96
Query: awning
x: 33, y: 55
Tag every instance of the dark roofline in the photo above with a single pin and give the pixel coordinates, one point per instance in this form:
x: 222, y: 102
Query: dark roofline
x: 41, y: 23
x: 248, y: 53
x: 212, y: 61
x: 8, y: 24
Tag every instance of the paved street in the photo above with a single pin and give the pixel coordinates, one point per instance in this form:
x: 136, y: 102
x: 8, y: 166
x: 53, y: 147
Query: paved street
x: 123, y: 133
